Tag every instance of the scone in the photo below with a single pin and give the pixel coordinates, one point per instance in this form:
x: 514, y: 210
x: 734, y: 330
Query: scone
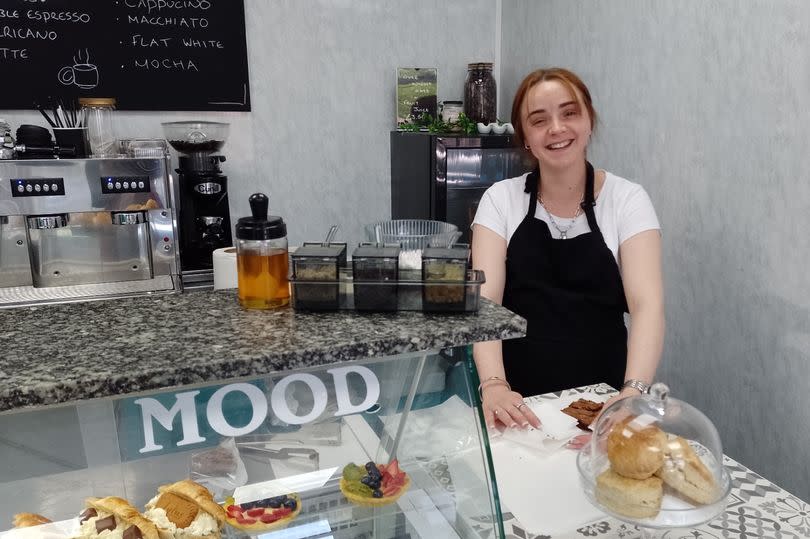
x: 25, y: 520
x: 635, y: 498
x: 635, y: 447
x: 114, y: 518
x: 185, y: 510
x: 685, y: 472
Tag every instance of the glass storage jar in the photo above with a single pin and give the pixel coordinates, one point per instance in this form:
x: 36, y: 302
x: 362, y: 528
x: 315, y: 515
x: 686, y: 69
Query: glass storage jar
x: 451, y: 110
x: 261, y: 258
x: 480, y: 93
x: 98, y: 116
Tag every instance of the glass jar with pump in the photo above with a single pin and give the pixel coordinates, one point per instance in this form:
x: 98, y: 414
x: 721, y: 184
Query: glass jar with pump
x: 98, y: 117
x: 480, y: 93
x: 261, y: 257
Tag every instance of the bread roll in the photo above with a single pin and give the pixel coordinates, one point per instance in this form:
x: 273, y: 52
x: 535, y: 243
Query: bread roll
x: 635, y: 447
x: 25, y: 520
x: 635, y: 498
x: 685, y: 472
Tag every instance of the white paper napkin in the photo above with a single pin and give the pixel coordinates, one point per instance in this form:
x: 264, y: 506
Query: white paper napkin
x: 555, y: 430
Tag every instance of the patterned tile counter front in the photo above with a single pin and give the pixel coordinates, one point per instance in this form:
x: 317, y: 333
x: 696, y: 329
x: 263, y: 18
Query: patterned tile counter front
x: 63, y: 353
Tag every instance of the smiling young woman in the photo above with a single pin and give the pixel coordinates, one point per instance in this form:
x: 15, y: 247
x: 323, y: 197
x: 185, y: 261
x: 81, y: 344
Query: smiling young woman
x: 571, y: 249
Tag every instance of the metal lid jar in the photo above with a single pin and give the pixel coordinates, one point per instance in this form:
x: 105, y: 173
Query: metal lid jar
x: 97, y: 115
x: 480, y: 93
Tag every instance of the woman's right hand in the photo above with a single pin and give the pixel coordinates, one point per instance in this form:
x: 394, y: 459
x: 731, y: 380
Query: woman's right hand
x: 503, y: 405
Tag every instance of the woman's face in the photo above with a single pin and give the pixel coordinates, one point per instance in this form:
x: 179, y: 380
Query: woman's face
x: 556, y: 126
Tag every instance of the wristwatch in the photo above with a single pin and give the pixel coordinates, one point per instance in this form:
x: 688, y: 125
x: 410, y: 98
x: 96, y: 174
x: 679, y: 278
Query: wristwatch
x: 643, y: 387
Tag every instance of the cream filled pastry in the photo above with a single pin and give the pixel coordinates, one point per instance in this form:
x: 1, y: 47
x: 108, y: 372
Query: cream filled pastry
x: 185, y: 510
x: 114, y: 518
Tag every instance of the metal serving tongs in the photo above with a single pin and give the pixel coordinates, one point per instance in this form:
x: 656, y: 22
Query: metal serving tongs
x: 259, y: 446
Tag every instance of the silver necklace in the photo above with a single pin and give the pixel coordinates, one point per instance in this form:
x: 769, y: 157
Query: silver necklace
x: 563, y: 231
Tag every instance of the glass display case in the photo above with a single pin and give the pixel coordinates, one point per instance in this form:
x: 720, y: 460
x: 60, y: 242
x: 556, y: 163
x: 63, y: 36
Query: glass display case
x: 289, y: 433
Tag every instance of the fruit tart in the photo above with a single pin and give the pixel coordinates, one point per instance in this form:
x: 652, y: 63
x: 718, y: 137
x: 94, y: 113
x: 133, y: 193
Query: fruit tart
x: 374, y: 485
x: 263, y: 515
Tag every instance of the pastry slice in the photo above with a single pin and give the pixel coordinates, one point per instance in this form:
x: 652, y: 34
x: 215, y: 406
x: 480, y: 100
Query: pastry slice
x: 635, y: 498
x: 374, y: 485
x: 685, y: 472
x: 24, y: 520
x: 112, y: 517
x: 185, y: 510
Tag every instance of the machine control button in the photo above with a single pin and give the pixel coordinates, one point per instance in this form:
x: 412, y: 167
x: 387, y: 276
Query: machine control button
x: 29, y: 188
x: 20, y: 188
x: 37, y: 187
x: 54, y: 187
x: 126, y: 185
x: 167, y: 247
x: 46, y: 187
x: 118, y: 185
x: 140, y: 185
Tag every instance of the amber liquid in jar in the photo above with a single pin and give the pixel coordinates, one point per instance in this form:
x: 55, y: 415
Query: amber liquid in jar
x: 263, y: 282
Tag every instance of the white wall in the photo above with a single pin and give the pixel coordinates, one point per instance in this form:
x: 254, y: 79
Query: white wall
x: 323, y: 78
x: 705, y: 103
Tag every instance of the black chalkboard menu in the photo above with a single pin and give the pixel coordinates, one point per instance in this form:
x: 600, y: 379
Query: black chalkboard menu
x: 148, y: 54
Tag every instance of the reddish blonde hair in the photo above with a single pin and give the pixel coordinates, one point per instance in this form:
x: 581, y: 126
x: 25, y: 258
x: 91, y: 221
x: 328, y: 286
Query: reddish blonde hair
x: 565, y: 77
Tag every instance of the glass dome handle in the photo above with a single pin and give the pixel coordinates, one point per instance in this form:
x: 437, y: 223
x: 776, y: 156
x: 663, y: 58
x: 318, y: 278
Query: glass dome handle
x: 197, y: 136
x: 659, y: 391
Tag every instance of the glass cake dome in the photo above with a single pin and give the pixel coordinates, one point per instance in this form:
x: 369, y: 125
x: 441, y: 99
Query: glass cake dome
x: 656, y: 462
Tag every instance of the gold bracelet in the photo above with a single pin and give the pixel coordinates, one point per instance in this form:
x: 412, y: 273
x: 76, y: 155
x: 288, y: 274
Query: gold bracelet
x: 497, y: 379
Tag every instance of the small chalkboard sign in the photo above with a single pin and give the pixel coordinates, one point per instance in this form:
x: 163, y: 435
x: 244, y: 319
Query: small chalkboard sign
x: 148, y: 54
x: 416, y: 93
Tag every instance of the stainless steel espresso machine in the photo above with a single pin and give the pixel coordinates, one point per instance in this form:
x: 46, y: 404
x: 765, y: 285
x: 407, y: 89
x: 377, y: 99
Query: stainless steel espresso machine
x: 78, y: 229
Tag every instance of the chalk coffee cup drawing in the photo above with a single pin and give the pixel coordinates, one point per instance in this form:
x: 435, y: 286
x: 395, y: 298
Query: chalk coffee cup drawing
x: 82, y: 73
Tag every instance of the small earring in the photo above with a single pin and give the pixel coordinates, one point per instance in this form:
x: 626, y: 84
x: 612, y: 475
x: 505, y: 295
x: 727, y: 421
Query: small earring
x: 526, y: 146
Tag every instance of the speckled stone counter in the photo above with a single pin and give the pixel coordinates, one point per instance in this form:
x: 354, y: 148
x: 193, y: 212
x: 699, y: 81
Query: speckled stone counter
x: 64, y: 353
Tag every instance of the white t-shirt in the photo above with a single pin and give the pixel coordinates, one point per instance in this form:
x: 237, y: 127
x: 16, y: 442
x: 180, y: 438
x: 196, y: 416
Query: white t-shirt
x: 623, y: 209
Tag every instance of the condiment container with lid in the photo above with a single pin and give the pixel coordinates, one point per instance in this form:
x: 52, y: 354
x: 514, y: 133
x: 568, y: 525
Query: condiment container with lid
x: 97, y: 114
x: 655, y: 461
x: 445, y: 265
x: 261, y: 258
x: 375, y: 269
x: 317, y: 263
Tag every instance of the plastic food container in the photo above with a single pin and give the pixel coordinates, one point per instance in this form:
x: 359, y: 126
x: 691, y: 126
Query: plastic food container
x: 441, y: 268
x: 318, y: 263
x: 375, y: 269
x: 655, y: 461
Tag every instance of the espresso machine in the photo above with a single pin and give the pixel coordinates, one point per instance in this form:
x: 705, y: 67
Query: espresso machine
x: 79, y: 229
x: 204, y: 222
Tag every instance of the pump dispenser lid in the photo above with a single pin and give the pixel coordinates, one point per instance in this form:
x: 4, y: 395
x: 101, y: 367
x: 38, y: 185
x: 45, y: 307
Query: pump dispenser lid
x: 260, y: 226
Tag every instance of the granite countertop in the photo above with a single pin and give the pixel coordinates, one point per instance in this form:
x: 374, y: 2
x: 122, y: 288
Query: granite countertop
x: 64, y: 353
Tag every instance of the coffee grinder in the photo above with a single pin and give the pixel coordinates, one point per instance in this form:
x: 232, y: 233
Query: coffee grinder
x: 204, y: 223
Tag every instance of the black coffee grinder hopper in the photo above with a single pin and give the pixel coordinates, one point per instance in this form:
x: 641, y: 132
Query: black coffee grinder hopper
x: 204, y: 223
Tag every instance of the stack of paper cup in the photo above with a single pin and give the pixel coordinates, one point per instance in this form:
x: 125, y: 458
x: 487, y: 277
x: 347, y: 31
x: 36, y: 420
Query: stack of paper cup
x: 225, y: 275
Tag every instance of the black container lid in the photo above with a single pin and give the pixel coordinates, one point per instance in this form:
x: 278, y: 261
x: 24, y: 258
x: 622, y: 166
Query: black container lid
x: 376, y: 251
x: 312, y: 250
x: 259, y: 226
x: 460, y: 251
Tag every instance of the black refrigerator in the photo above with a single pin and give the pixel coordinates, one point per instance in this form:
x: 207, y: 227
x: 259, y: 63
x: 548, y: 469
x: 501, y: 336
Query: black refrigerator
x: 443, y: 177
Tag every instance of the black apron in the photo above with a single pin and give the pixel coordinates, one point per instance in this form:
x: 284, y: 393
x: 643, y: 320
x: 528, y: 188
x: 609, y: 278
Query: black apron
x: 571, y: 293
